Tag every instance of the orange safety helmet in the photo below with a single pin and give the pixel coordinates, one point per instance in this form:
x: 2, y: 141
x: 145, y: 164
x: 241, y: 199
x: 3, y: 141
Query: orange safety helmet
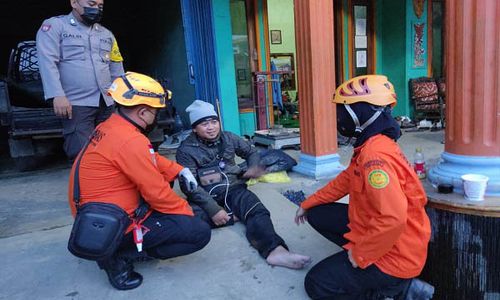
x: 373, y: 89
x: 134, y: 89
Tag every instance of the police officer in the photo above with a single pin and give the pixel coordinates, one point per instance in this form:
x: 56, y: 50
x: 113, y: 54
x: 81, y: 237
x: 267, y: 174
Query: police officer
x: 78, y: 60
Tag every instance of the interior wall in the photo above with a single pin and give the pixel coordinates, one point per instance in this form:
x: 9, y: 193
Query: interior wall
x: 412, y: 70
x: 391, y: 48
x: 437, y: 38
x: 151, y: 39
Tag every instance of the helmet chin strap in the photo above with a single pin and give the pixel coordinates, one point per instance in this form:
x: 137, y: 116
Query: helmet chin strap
x: 359, y: 128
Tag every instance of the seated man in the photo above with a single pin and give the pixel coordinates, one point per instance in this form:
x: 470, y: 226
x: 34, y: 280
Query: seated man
x: 384, y: 229
x: 223, y: 195
x: 119, y: 166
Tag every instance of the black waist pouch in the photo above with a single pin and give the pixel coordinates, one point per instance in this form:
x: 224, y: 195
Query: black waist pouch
x: 98, y: 230
x: 210, y: 176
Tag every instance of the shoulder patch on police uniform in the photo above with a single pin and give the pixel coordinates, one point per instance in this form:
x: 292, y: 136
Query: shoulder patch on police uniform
x: 45, y: 27
x: 378, y: 179
x: 115, y: 55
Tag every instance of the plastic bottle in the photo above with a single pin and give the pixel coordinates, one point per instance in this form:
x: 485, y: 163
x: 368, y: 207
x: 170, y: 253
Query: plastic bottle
x: 419, y: 163
x: 138, y: 236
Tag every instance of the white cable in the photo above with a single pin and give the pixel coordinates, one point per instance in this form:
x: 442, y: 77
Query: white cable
x: 210, y: 192
x: 225, y: 197
x: 248, y: 211
x: 227, y: 191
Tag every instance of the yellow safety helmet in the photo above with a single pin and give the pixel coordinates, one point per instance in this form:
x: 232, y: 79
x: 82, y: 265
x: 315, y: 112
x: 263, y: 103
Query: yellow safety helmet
x: 134, y: 89
x: 373, y: 89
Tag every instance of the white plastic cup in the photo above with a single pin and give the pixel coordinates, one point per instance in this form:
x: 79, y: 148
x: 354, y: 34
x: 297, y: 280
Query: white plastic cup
x: 474, y: 186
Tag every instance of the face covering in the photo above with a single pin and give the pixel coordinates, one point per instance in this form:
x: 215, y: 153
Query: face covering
x: 150, y: 127
x: 382, y: 123
x: 91, y: 15
x: 145, y: 131
x: 345, y: 124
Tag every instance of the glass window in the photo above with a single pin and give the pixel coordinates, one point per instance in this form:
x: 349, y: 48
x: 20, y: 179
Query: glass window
x: 241, y: 54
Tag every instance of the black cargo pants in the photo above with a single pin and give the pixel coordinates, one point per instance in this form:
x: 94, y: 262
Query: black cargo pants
x: 335, y: 277
x: 166, y: 236
x: 247, y: 207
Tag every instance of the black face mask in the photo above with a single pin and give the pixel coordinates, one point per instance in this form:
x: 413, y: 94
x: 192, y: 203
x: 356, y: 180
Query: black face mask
x: 345, y: 124
x: 91, y: 15
x: 152, y: 126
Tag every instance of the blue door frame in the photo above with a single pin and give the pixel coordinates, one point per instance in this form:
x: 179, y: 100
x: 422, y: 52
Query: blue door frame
x: 200, y: 47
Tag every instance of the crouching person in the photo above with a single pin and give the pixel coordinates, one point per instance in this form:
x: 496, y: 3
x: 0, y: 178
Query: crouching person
x: 118, y: 167
x: 222, y: 196
x: 384, y: 229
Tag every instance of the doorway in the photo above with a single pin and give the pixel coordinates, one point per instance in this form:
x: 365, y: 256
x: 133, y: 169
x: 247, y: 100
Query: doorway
x: 361, y: 37
x: 437, y: 38
x: 241, y: 54
x: 245, y: 61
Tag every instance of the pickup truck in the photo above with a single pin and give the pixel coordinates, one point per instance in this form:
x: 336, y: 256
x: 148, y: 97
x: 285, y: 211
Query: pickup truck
x: 33, y: 130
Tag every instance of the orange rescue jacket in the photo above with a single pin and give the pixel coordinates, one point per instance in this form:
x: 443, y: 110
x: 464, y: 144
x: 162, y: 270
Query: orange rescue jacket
x: 119, y: 165
x: 387, y: 220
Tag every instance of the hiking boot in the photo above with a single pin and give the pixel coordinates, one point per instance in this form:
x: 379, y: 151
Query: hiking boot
x: 121, y: 273
x: 419, y: 290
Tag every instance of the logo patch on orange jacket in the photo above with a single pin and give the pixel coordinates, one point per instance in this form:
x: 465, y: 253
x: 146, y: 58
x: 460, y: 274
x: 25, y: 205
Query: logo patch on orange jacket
x: 378, y: 179
x: 373, y: 163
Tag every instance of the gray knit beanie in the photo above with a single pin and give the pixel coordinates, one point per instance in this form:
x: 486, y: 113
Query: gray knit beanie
x: 200, y: 111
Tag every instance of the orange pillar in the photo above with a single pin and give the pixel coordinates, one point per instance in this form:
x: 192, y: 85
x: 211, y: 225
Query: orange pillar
x: 316, y: 85
x: 473, y: 93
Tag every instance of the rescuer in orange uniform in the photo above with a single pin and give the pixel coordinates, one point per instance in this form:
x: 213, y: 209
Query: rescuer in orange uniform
x: 384, y: 230
x: 119, y: 166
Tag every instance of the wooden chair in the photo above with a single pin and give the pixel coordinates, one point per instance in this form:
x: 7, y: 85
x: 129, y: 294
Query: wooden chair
x: 427, y: 100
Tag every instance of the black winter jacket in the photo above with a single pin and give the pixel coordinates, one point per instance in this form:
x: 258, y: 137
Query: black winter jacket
x: 195, y: 154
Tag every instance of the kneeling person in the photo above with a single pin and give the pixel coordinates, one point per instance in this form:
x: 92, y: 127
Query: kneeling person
x: 223, y: 196
x: 119, y: 166
x: 384, y: 229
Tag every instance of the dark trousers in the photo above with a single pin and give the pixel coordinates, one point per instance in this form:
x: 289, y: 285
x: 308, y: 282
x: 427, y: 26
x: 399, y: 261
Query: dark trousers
x: 77, y: 130
x: 247, y: 207
x: 168, y: 236
x: 335, y: 277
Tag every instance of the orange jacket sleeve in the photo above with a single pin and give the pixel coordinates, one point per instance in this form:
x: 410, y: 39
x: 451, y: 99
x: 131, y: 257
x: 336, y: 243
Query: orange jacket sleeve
x: 333, y: 191
x: 386, y: 205
x: 143, y: 168
x: 168, y: 168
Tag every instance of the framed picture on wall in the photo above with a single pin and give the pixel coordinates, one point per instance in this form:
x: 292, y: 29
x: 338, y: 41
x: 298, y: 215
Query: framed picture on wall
x: 285, y: 62
x: 242, y: 75
x: 275, y: 36
x: 419, y: 57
